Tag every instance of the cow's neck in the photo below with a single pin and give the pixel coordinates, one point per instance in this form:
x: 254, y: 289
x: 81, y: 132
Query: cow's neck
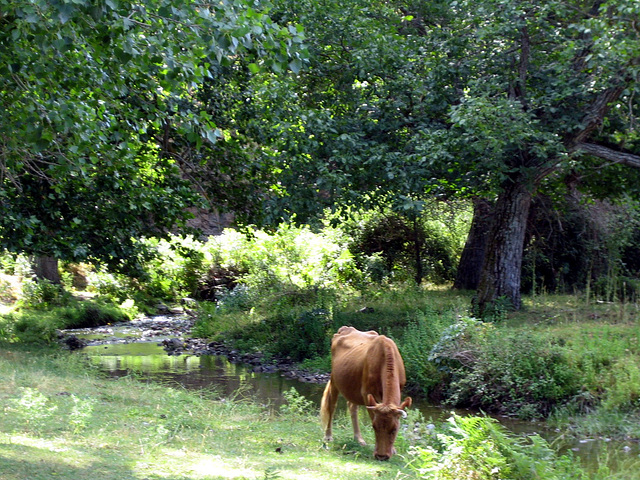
x: 390, y: 380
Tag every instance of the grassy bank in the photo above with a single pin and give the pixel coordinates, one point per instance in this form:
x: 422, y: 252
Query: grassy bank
x: 61, y: 419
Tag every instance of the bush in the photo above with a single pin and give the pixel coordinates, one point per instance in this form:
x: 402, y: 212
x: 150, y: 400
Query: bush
x: 514, y: 372
x: 90, y: 314
x: 384, y: 244
x: 292, y: 335
x: 296, y: 404
x: 43, y: 294
x: 623, y: 386
x: 214, y: 319
x: 35, y: 327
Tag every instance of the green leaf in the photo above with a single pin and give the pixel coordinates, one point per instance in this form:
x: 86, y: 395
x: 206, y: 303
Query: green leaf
x: 295, y: 66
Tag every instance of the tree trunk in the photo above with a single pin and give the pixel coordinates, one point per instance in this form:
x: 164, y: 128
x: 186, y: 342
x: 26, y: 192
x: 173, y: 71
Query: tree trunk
x: 472, y: 258
x: 501, y: 272
x: 46, y: 268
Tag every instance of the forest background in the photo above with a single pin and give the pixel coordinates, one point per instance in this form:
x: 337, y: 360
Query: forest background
x: 390, y: 129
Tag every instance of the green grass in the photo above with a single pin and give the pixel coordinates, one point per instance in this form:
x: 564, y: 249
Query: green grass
x: 61, y: 421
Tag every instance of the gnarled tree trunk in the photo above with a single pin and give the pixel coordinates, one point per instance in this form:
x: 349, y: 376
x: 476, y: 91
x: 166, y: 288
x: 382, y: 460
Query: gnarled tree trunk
x: 472, y: 258
x: 501, y: 272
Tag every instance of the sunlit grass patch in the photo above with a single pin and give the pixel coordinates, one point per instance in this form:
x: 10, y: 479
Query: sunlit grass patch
x: 140, y: 430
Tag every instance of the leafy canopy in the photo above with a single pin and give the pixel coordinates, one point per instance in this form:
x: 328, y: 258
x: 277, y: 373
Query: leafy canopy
x: 88, y: 91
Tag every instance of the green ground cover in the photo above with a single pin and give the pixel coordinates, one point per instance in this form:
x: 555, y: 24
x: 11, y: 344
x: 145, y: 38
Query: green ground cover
x: 61, y: 419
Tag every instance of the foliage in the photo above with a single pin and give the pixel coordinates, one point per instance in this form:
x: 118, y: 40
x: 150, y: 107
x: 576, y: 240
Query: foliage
x: 478, y: 448
x: 591, y: 249
x: 427, y: 246
x: 176, y: 271
x: 42, y: 326
x: 13, y: 264
x: 33, y: 407
x: 295, y: 335
x: 86, y: 170
x: 297, y: 405
x: 517, y: 372
x: 43, y: 295
x: 424, y: 330
x: 623, y: 386
x: 404, y: 103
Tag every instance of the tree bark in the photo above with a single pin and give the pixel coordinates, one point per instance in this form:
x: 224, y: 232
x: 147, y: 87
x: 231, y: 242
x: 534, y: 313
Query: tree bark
x: 472, y: 258
x: 607, y: 153
x: 46, y: 268
x: 501, y: 272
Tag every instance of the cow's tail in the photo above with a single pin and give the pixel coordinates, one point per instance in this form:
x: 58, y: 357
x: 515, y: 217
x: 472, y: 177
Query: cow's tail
x: 325, y: 407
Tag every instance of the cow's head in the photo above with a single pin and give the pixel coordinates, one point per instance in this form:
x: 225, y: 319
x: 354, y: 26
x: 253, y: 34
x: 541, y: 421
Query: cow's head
x: 386, y: 421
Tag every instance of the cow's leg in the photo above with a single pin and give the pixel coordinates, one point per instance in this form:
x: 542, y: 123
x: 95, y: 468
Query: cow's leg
x: 357, y: 435
x: 327, y: 409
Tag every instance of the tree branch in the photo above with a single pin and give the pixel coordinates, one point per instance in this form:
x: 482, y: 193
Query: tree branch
x: 607, y: 153
x: 597, y: 112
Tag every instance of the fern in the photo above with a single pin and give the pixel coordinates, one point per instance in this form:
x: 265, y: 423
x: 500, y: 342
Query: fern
x: 479, y: 448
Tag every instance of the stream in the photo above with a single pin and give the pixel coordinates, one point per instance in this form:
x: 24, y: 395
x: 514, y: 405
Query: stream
x: 136, y: 348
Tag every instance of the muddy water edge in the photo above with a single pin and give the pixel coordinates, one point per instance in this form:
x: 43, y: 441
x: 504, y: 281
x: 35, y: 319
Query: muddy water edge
x: 159, y: 348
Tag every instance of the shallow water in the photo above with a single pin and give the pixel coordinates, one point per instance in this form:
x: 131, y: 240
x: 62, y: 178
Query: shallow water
x: 149, y: 360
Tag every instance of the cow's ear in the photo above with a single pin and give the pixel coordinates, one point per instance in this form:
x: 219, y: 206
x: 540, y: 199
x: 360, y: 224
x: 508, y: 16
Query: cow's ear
x: 371, y: 402
x: 406, y: 404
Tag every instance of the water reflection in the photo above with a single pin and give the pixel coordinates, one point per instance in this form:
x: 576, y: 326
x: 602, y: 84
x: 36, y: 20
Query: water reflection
x: 151, y: 361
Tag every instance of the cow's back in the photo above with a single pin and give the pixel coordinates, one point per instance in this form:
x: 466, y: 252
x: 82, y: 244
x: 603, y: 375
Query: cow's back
x: 349, y: 356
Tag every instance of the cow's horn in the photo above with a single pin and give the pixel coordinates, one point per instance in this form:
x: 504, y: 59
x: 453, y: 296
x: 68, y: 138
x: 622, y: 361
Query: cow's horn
x: 403, y: 413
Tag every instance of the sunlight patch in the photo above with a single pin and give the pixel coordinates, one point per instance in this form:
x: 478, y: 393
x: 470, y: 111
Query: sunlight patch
x: 218, y: 467
x: 71, y: 456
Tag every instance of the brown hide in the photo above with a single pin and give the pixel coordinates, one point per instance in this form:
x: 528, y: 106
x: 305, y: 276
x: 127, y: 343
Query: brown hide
x: 366, y: 369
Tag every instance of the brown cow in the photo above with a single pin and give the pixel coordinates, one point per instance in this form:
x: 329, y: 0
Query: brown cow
x: 367, y: 369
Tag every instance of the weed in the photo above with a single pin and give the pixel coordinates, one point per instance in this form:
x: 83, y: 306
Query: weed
x: 296, y: 404
x: 423, y: 331
x: 33, y: 408
x: 81, y: 412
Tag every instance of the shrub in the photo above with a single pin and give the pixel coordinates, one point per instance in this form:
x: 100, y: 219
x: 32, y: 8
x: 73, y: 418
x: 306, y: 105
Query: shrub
x: 42, y: 294
x: 384, y: 244
x: 301, y: 336
x: 38, y: 326
x: 296, y: 404
x: 214, y: 319
x: 90, y: 314
x: 515, y: 372
x: 296, y: 335
x: 35, y: 326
